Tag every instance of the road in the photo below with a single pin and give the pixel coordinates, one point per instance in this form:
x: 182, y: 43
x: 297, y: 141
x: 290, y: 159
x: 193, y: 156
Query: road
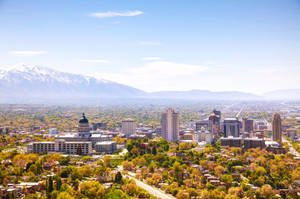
x: 241, y: 110
x: 152, y: 190
x: 292, y: 150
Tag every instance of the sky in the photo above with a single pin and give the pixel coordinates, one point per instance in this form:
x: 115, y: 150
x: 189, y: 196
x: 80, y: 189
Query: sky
x: 218, y: 45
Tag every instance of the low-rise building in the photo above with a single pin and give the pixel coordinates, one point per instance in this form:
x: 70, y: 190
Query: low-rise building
x: 106, y: 147
x: 254, y: 143
x: 80, y: 142
x: 60, y: 146
x: 231, y: 141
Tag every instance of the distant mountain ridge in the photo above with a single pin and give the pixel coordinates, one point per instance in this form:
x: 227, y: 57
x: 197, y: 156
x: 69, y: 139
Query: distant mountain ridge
x: 35, y: 84
x: 205, y: 95
x: 29, y: 82
x: 283, y: 94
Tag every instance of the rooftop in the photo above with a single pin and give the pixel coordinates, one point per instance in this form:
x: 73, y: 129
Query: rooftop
x: 105, y: 143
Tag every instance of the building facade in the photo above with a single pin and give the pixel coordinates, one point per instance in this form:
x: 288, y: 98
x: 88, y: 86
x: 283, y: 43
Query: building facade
x: 205, y: 136
x: 170, y: 125
x: 202, y: 123
x: 81, y: 142
x: 254, y: 143
x: 60, y: 146
x: 247, y: 125
x: 106, y: 147
x: 231, y: 127
x: 128, y: 127
x: 232, y: 141
x: 214, y: 122
x: 276, y: 128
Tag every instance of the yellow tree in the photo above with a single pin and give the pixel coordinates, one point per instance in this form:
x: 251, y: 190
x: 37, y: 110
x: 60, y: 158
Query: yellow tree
x: 92, y: 189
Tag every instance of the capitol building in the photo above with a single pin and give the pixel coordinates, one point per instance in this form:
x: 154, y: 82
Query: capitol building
x: 81, y: 143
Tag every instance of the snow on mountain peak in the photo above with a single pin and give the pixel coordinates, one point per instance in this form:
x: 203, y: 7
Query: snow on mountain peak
x: 32, y: 72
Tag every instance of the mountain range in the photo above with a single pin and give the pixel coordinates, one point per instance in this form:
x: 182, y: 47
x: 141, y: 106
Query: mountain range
x: 35, y: 84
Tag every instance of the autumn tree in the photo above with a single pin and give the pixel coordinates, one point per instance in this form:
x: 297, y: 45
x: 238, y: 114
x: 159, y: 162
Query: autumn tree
x: 92, y: 189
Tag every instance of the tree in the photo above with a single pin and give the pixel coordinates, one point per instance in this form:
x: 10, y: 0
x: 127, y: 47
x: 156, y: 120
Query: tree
x: 116, y: 194
x: 219, y: 170
x: 178, y: 172
x: 128, y: 165
x: 182, y: 195
x: 227, y: 179
x: 49, y: 186
x: 265, y: 191
x: 58, y: 183
x: 130, y: 188
x: 31, y: 196
x: 107, y: 161
x: 79, y: 150
x: 118, y: 177
x: 92, y: 189
x: 64, y: 195
x: 154, y: 152
x: 86, y: 171
x: 75, y: 174
x: 65, y: 161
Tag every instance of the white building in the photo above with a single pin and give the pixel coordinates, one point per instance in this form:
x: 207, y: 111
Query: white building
x: 205, y: 136
x: 128, y: 127
x: 80, y: 142
x: 106, y: 147
x: 170, y: 125
x: 60, y: 146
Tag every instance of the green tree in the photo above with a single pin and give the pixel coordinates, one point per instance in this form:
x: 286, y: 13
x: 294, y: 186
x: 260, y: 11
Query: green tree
x: 154, y: 152
x: 92, y: 189
x: 227, y: 179
x: 49, y: 186
x: 58, y: 182
x: 64, y: 195
x: 118, y: 177
x: 116, y: 194
x: 79, y: 150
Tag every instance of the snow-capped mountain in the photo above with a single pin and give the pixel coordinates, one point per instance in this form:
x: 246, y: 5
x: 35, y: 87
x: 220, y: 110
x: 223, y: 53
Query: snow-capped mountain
x: 30, y: 82
x: 34, y: 84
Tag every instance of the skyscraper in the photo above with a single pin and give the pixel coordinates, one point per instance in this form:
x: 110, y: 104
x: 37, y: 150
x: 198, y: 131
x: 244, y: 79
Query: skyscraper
x: 128, y: 127
x: 247, y: 125
x: 276, y: 128
x: 170, y: 125
x: 214, y: 122
x: 231, y: 127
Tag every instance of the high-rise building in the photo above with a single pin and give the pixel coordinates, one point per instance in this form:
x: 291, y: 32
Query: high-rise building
x: 276, y: 128
x: 231, y: 127
x: 170, y: 125
x: 247, y: 125
x: 214, y: 122
x: 128, y: 127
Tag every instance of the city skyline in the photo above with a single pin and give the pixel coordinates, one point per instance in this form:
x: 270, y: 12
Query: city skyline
x: 250, y: 46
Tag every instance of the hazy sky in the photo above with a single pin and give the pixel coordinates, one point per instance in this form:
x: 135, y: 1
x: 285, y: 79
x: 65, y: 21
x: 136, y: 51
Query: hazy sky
x: 251, y: 46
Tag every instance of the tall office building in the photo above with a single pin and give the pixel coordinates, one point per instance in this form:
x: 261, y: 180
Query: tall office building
x: 247, y: 125
x: 170, y: 125
x: 276, y: 128
x: 128, y: 127
x: 231, y: 127
x: 214, y: 122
